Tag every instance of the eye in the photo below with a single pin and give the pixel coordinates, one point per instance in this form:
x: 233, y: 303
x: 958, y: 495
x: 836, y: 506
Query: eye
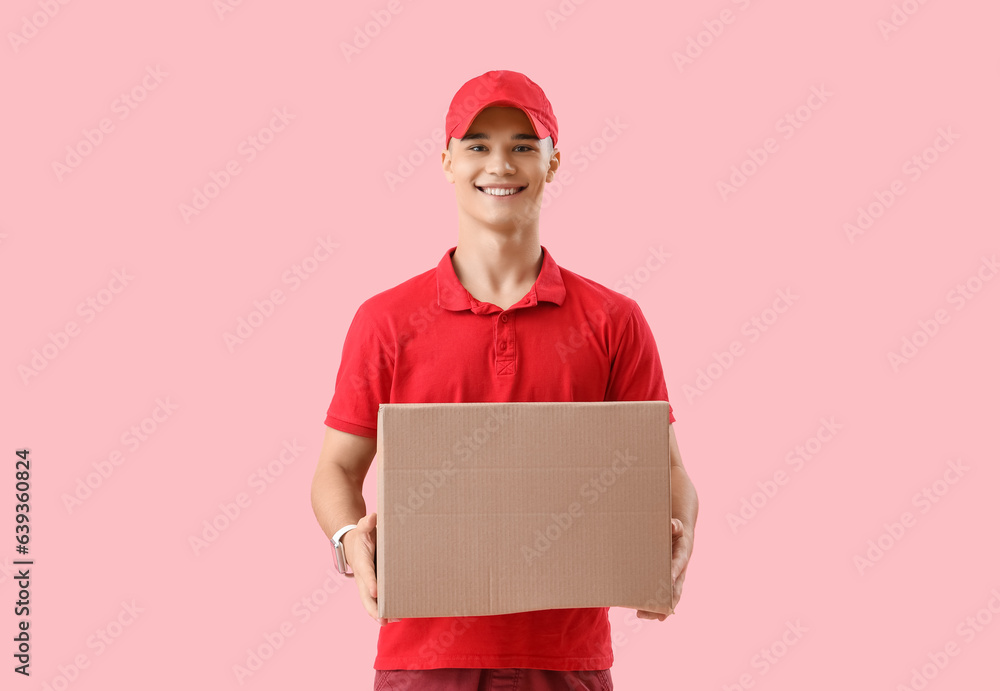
x: 483, y: 147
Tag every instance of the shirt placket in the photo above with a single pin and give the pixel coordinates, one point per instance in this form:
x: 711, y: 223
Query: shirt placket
x: 505, y: 343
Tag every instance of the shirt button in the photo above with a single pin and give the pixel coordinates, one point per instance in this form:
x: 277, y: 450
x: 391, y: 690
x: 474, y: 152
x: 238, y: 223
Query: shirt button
x: 503, y: 317
x: 503, y: 346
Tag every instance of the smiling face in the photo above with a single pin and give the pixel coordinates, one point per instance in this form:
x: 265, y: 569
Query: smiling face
x: 499, y: 169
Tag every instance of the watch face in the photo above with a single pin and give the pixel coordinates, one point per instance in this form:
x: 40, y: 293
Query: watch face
x: 337, y: 545
x: 338, y: 556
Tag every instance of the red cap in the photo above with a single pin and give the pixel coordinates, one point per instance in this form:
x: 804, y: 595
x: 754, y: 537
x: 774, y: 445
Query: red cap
x: 500, y: 88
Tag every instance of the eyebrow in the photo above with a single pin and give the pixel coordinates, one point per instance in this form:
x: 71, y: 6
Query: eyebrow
x: 483, y: 135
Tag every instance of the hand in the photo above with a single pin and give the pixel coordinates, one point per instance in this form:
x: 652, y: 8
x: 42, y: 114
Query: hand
x: 682, y: 544
x: 359, y: 548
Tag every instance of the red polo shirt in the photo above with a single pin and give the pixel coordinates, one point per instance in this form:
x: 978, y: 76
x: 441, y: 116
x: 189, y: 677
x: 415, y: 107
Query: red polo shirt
x: 427, y: 340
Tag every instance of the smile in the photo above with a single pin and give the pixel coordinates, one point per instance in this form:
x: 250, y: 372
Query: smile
x: 501, y: 191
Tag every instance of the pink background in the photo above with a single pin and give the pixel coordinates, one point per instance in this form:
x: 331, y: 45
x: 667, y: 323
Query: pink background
x: 654, y: 184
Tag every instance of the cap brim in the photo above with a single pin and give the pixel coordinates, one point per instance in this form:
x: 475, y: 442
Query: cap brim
x: 537, y: 128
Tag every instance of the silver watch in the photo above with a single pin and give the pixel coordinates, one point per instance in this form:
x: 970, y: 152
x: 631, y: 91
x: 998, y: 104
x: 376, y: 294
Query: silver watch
x: 338, y: 550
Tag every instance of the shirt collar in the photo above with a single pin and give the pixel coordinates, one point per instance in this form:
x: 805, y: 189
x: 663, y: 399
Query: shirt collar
x: 452, y: 295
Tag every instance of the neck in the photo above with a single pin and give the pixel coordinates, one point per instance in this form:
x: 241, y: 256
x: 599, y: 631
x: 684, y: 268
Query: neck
x: 498, y: 268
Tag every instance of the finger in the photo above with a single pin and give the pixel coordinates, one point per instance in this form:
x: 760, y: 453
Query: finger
x: 363, y: 566
x: 680, y: 558
x: 367, y: 523
x: 678, y: 587
x: 364, y: 570
x: 367, y: 573
x: 679, y: 563
x: 370, y: 604
x: 374, y: 543
x: 677, y: 570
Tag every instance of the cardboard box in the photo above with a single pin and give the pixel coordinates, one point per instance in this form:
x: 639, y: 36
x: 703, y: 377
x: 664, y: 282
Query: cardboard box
x: 491, y: 508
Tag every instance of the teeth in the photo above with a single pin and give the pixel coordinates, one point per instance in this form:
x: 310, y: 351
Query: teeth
x: 500, y: 192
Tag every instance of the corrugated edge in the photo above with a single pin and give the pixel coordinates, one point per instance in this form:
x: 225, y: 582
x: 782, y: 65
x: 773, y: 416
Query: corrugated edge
x: 380, y: 507
x: 670, y: 510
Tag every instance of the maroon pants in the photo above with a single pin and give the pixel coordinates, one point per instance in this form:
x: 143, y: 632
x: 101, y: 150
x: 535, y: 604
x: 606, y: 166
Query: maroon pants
x: 459, y: 679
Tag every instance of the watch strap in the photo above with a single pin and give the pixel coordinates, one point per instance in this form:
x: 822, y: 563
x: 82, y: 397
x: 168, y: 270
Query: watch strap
x: 340, y: 533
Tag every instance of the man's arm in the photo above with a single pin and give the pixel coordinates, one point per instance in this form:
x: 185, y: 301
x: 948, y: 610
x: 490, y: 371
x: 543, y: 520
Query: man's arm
x: 683, y: 506
x: 337, y: 501
x: 684, y: 514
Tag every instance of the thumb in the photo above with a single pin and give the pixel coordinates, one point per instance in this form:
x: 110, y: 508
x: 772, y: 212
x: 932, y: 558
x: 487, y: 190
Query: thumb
x: 369, y: 527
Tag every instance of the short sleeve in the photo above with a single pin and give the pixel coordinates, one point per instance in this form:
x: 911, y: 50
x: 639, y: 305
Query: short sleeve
x: 364, y: 379
x: 636, y: 372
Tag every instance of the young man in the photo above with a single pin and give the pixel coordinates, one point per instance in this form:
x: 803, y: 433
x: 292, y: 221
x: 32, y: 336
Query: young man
x: 496, y: 320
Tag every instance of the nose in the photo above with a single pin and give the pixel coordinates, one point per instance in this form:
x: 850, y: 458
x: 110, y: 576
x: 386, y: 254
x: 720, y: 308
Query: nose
x: 499, y: 162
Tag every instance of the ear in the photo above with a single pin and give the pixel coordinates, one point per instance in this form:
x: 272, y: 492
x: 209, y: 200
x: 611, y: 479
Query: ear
x: 446, y: 165
x: 554, y: 163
